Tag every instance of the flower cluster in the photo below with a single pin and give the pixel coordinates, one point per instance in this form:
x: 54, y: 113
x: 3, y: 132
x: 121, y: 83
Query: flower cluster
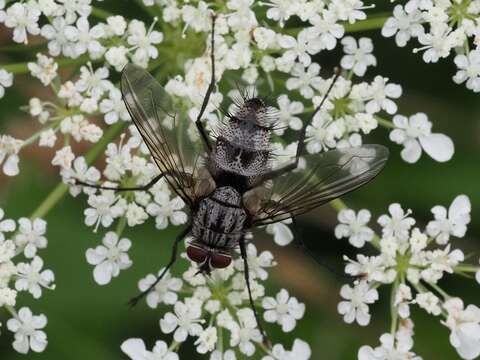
x: 22, y: 270
x: 203, y: 308
x: 413, y: 262
x: 255, y: 45
x: 441, y: 28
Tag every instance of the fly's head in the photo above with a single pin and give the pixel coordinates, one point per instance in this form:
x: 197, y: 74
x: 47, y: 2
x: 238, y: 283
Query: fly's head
x: 208, y: 258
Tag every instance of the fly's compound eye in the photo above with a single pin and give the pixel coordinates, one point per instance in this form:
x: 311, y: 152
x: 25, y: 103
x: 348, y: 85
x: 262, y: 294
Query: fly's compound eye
x: 196, y: 253
x: 220, y: 261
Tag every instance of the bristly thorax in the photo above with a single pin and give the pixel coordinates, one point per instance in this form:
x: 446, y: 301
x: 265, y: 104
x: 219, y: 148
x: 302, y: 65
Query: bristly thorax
x: 242, y: 150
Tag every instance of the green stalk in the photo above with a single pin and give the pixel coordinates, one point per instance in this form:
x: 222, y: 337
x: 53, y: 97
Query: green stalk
x: 61, y: 189
x: 374, y: 22
x: 21, y: 68
x: 100, y: 13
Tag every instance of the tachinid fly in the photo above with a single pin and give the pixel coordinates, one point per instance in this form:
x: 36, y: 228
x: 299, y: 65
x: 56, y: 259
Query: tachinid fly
x: 228, y: 183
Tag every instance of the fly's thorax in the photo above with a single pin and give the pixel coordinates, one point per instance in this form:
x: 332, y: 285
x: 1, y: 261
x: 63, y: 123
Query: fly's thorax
x: 239, y: 160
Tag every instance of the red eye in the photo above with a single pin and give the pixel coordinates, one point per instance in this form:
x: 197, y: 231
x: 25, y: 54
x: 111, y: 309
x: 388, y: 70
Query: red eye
x: 196, y: 253
x: 220, y: 261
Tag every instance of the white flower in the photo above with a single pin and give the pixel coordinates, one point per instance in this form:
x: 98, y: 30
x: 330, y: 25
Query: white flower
x: 403, y: 25
x: 280, y: 10
x: 300, y: 351
x: 464, y: 325
x: 7, y: 297
x: 136, y: 350
x: 397, y: 347
x: 117, y: 57
x: 23, y: 18
x: 414, y: 134
x: 27, y: 331
x: 440, y: 261
x: 9, y: 149
x: 93, y: 83
x: 114, y: 108
x: 402, y: 300
x: 418, y: 241
x: 47, y: 138
x: 327, y: 28
x: 6, y: 80
x: 429, y: 302
x: 358, y: 56
x: 227, y: 355
x: 44, y: 69
x: 370, y: 268
x: 303, y: 80
x: 109, y: 258
x: 143, y: 42
x: 85, y: 38
x: 74, y: 7
x: 245, y: 332
x: 282, y: 235
x: 104, y: 209
x: 398, y: 224
x: 206, y: 340
x: 381, y: 93
x: 166, y: 210
x: 7, y: 252
x: 184, y: 321
x: 164, y: 292
x: 82, y: 172
x: 356, y: 306
x: 439, y: 42
x: 56, y: 33
x: 135, y: 214
x: 6, y: 225
x: 256, y: 262
x: 322, y: 133
x: 307, y: 43
x: 286, y: 115
x: 283, y: 310
x: 32, y: 278
x: 452, y: 223
x: 63, y: 157
x: 354, y: 226
x: 30, y: 236
x: 468, y: 70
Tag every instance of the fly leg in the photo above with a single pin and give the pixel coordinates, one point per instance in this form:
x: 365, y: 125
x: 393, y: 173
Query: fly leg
x: 173, y: 258
x: 135, y: 188
x: 243, y: 252
x: 198, y: 122
x: 301, y: 140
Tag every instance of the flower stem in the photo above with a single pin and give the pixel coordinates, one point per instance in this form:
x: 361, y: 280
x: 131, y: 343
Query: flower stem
x: 384, y: 122
x: 100, y: 13
x: 393, y: 309
x: 338, y: 205
x: 374, y: 22
x: 21, y: 68
x: 61, y: 189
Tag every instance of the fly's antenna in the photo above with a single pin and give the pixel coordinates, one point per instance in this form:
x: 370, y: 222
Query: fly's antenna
x: 338, y: 72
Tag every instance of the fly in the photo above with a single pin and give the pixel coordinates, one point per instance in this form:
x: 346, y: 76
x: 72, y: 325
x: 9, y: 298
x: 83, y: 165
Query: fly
x: 232, y: 187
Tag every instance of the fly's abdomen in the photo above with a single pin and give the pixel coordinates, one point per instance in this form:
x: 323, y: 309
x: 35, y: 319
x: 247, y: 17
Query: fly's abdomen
x: 219, y: 221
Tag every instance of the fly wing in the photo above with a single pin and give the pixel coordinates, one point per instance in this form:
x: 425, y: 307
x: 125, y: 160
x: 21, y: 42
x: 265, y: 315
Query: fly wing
x: 167, y: 133
x: 325, y: 177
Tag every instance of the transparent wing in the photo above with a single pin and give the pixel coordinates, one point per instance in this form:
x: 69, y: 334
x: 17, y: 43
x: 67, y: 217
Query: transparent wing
x: 325, y: 177
x: 168, y: 134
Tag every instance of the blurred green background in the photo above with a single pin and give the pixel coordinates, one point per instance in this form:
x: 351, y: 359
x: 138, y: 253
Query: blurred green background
x: 86, y: 321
